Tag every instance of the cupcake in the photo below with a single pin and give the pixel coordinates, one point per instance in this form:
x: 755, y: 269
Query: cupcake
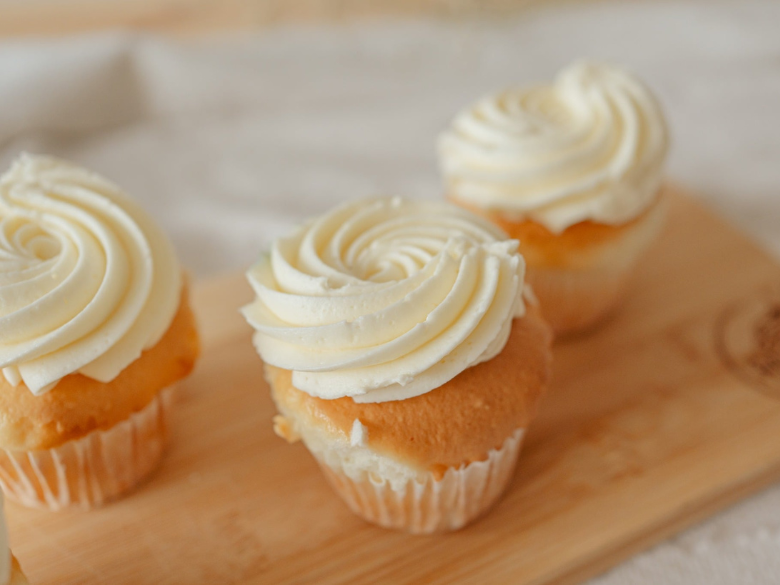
x: 10, y: 571
x: 573, y: 171
x: 95, y: 330
x: 401, y: 349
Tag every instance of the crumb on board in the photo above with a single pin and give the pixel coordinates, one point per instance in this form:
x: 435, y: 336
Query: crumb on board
x: 284, y: 429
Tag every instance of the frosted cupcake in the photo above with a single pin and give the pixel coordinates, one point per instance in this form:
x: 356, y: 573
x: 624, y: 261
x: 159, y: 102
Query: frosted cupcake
x: 10, y: 571
x: 572, y: 170
x: 400, y: 349
x: 95, y: 329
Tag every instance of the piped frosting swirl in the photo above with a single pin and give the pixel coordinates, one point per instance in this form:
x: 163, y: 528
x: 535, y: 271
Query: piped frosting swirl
x: 385, y: 299
x: 591, y: 146
x: 87, y: 280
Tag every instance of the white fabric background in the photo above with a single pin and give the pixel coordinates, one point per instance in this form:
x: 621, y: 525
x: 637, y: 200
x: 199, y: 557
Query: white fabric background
x: 230, y: 142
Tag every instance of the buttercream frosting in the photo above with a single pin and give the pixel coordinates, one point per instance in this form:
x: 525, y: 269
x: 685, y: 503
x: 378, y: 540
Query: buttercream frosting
x: 87, y: 279
x: 590, y: 146
x: 385, y: 299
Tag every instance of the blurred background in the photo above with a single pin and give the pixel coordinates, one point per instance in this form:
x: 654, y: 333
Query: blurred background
x: 57, y: 17
x: 233, y: 119
x: 241, y: 105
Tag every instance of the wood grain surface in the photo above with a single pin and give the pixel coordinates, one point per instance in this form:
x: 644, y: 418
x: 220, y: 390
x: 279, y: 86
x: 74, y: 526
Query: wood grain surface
x: 663, y: 415
x: 57, y: 17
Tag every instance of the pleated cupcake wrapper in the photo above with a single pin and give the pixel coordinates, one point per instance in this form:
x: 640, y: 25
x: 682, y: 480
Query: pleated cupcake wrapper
x: 573, y: 300
x: 423, y: 507
x: 90, y: 471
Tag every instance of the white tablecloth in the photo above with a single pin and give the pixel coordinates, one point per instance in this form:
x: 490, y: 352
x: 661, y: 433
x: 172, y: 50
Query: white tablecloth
x: 231, y: 141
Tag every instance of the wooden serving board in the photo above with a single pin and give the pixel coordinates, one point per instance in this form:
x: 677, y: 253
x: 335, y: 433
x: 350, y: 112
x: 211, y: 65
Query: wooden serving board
x: 667, y: 413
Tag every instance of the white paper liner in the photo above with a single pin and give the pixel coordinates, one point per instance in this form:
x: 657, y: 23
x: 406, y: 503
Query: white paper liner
x: 572, y: 301
x: 424, y: 507
x: 90, y: 471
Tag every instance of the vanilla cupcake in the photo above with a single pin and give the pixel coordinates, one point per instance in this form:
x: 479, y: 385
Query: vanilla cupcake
x: 95, y: 330
x: 400, y: 350
x: 573, y: 170
x: 10, y: 571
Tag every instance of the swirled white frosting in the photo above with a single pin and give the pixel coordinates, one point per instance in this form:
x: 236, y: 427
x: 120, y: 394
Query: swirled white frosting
x: 589, y: 147
x: 87, y: 280
x: 385, y: 299
x: 5, y: 552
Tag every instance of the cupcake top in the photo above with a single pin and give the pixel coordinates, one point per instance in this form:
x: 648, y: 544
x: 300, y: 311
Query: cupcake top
x: 87, y: 280
x: 385, y: 299
x: 590, y: 146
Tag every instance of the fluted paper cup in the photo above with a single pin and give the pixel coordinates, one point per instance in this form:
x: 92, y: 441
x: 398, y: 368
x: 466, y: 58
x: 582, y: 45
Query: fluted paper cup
x: 90, y: 471
x: 428, y: 505
x: 575, y: 300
